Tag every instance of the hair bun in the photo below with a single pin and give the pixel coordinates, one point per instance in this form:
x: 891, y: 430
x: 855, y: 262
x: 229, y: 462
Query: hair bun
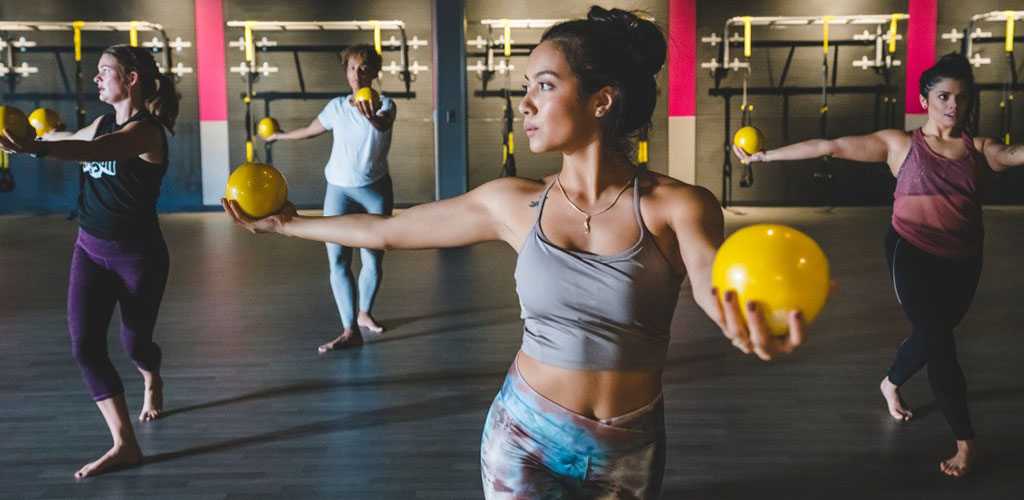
x: 650, y: 47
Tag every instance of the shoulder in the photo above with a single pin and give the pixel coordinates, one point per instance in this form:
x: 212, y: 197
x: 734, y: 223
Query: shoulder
x: 336, y: 104
x: 668, y: 193
x: 895, y: 138
x: 512, y: 189
x: 980, y: 143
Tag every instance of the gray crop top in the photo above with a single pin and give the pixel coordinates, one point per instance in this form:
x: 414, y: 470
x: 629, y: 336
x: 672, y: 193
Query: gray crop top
x: 596, y: 312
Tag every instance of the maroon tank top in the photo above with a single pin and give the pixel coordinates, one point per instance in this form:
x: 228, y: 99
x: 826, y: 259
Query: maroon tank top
x: 937, y: 204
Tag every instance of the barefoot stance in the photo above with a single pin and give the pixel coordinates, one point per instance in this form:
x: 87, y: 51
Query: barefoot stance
x: 891, y: 392
x: 366, y: 321
x: 961, y: 462
x: 117, y: 457
x: 348, y: 338
x: 153, y: 401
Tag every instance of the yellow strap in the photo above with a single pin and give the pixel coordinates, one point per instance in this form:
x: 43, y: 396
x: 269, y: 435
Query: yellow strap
x: 746, y: 36
x: 248, y: 151
x: 511, y: 143
x: 133, y: 33
x: 1009, y: 30
x: 77, y: 25
x: 825, y: 20
x: 508, y: 38
x: 824, y: 109
x: 504, y: 153
x: 3, y: 159
x: 250, y: 48
x: 892, y: 33
x: 376, y: 36
x: 1007, y: 139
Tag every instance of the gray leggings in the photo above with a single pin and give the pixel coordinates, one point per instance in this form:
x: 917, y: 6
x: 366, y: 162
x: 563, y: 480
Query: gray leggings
x: 376, y: 198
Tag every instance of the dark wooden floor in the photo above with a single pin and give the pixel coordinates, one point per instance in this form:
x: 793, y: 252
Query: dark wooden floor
x: 255, y: 412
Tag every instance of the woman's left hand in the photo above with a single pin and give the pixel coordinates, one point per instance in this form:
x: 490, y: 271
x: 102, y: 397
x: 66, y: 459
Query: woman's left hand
x: 14, y: 145
x: 268, y: 224
x: 753, y: 335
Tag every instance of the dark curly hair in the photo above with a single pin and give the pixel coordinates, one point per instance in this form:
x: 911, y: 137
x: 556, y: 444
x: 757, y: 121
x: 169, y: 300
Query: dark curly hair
x: 615, y: 48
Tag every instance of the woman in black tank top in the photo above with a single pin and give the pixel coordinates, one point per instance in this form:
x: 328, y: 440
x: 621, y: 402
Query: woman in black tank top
x: 120, y: 255
x: 590, y: 90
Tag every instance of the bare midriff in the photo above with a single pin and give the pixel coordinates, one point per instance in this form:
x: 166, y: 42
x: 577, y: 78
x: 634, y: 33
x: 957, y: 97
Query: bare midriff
x: 599, y: 395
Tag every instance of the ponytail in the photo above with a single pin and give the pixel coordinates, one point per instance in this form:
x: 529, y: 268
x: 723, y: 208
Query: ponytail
x: 163, y: 104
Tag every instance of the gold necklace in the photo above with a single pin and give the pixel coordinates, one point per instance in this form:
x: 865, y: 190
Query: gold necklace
x: 588, y: 215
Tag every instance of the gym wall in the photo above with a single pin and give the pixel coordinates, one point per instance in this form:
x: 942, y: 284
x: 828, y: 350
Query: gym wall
x: 1006, y: 187
x: 411, y: 159
x: 485, y: 125
x: 47, y: 186
x: 792, y: 183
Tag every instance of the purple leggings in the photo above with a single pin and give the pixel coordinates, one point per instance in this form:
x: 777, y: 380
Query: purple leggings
x: 132, y: 273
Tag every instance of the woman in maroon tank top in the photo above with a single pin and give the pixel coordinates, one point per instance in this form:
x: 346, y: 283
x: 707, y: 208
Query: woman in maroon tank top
x: 934, y: 245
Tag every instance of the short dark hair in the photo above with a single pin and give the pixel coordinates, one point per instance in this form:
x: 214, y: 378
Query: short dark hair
x: 365, y: 53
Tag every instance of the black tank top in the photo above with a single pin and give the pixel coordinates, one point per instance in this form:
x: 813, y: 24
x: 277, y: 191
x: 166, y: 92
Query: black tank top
x: 117, y: 199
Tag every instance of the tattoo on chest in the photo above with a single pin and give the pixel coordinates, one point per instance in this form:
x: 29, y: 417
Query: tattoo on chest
x: 536, y: 203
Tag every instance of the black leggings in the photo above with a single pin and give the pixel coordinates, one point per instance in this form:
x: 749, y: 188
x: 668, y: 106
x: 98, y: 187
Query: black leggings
x: 935, y: 294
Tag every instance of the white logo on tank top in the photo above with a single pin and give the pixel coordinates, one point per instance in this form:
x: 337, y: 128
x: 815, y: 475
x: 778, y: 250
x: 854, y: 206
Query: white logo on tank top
x: 98, y: 169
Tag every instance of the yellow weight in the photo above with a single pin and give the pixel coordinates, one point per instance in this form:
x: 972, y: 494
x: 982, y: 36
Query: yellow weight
x: 14, y: 122
x: 259, y: 189
x: 368, y: 94
x: 44, y: 120
x: 268, y: 126
x: 749, y: 139
x: 776, y: 266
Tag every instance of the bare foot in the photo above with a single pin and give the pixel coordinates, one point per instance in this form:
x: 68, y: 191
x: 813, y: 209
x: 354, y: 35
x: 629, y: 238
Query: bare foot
x: 891, y: 392
x: 961, y: 462
x: 153, y: 401
x: 118, y: 457
x: 349, y: 338
x: 366, y: 321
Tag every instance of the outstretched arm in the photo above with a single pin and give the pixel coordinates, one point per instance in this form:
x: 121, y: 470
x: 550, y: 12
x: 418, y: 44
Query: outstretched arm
x: 135, y: 139
x: 314, y: 129
x: 699, y: 228
x: 883, y: 146
x: 83, y: 134
x: 1001, y: 157
x: 471, y: 218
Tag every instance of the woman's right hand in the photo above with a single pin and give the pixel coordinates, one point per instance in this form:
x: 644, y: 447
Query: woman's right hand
x: 269, y: 224
x: 745, y: 158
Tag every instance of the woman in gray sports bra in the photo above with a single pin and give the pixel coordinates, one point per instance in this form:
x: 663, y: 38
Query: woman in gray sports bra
x: 603, y: 248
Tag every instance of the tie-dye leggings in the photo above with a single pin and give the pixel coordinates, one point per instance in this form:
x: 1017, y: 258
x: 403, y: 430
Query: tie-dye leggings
x: 534, y: 449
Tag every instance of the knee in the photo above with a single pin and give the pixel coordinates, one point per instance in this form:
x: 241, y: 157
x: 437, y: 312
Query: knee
x: 87, y: 354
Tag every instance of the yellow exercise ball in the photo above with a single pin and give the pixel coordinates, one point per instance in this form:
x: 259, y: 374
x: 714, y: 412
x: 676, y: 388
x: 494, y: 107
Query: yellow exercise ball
x: 776, y: 266
x: 268, y: 126
x: 749, y: 139
x: 368, y: 94
x: 14, y: 122
x: 44, y: 120
x: 259, y: 189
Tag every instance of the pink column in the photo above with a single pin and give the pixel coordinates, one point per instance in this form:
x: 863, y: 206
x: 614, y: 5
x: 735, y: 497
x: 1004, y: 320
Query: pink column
x: 682, y: 89
x: 920, y: 49
x: 213, y: 103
